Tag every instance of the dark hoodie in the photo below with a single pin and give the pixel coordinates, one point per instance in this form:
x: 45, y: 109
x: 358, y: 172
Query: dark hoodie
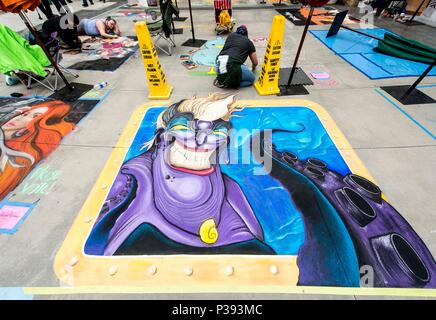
x: 65, y: 29
x: 237, y: 47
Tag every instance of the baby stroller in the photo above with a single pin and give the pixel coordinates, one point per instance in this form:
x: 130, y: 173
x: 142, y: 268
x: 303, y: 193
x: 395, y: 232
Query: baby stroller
x: 223, y: 16
x: 395, y: 9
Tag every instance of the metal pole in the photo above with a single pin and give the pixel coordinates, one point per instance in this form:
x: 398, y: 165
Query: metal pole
x: 39, y: 42
x: 416, y: 12
x: 362, y: 33
x: 192, y: 22
x: 39, y: 16
x: 422, y: 76
x: 300, y: 46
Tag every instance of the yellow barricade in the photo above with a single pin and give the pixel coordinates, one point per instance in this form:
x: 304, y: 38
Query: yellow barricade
x: 268, y: 82
x: 157, y: 82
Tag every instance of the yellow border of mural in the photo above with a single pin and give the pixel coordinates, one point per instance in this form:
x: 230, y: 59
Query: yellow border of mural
x: 187, y: 273
x: 399, y: 292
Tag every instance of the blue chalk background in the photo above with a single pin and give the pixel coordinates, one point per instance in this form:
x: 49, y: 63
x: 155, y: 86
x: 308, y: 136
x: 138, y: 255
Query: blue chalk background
x: 358, y: 51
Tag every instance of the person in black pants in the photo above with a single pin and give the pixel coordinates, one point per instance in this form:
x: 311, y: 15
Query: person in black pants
x: 85, y: 3
x: 380, y: 5
x: 44, y: 6
x: 61, y: 6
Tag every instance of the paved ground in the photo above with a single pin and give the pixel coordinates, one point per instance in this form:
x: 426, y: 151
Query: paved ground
x: 398, y: 153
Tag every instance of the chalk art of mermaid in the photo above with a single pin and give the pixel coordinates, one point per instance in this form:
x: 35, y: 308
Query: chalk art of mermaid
x: 173, y: 198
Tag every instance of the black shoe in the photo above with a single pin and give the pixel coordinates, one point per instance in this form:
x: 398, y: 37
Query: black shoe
x: 217, y: 84
x: 90, y: 1
x: 85, y: 5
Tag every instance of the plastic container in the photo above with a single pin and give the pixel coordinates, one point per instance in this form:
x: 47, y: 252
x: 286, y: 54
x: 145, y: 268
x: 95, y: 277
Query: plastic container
x: 100, y: 85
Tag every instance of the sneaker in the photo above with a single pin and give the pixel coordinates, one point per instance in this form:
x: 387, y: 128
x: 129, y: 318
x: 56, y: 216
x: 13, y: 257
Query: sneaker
x: 11, y: 81
x: 217, y: 84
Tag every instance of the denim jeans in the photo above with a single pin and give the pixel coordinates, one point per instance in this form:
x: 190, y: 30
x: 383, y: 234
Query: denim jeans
x: 247, y: 76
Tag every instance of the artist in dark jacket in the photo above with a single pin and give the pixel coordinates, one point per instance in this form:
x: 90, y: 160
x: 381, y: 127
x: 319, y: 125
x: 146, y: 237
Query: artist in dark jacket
x: 230, y: 67
x: 168, y: 9
x: 65, y: 26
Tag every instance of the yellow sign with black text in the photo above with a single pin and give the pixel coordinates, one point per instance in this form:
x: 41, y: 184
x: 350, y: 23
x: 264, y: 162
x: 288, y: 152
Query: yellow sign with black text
x: 268, y: 81
x: 157, y: 82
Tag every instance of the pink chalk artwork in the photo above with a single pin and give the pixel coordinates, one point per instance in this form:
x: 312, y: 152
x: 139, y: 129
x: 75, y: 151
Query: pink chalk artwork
x: 11, y: 215
x: 322, y: 75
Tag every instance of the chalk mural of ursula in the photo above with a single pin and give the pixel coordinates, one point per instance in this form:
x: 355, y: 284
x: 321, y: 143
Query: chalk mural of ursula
x: 29, y: 131
x: 171, y: 199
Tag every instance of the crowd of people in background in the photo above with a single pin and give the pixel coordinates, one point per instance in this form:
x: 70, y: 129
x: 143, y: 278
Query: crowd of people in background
x: 61, y: 6
x: 66, y: 27
x: 70, y: 28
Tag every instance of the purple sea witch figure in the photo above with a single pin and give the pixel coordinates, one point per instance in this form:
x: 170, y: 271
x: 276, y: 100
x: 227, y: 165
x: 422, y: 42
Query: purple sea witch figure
x: 173, y: 198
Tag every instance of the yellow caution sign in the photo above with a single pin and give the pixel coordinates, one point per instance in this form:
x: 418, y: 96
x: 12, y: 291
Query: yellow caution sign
x: 268, y: 81
x: 157, y: 82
